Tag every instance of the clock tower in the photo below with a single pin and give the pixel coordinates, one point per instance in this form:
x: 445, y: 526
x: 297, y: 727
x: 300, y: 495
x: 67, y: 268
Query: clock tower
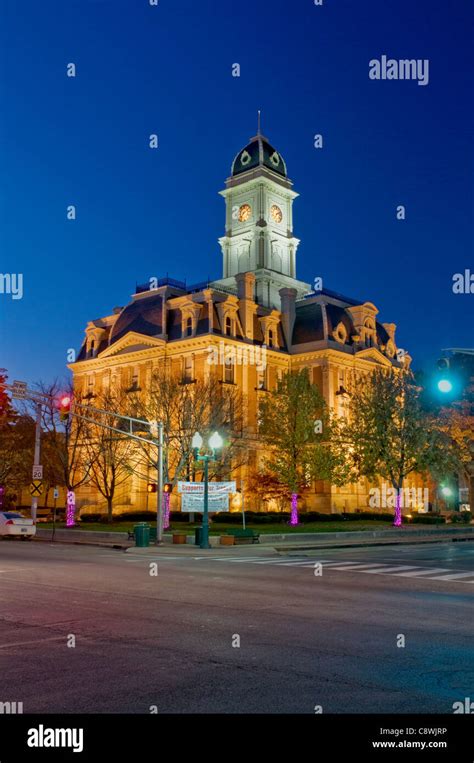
x: 259, y: 223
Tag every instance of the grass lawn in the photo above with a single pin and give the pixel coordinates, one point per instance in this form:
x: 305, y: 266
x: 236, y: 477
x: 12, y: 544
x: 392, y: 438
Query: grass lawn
x: 221, y: 528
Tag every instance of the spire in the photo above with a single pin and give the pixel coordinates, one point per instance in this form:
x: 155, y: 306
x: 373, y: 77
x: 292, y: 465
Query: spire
x: 259, y: 132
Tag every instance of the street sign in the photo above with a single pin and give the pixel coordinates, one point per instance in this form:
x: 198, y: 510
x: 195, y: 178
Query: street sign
x: 36, y: 487
x: 56, y: 493
x: 197, y: 488
x: 19, y: 390
x: 195, y: 503
x: 37, y: 472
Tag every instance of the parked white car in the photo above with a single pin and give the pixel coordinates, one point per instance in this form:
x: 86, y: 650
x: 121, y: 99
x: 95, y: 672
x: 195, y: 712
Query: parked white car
x: 15, y: 524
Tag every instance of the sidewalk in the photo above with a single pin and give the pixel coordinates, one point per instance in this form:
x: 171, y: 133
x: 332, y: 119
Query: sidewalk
x: 268, y: 543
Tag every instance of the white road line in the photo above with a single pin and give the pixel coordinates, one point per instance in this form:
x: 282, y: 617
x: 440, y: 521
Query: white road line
x: 399, y: 567
x: 362, y: 567
x: 277, y: 561
x: 299, y: 564
x: 335, y: 564
x: 456, y: 576
x: 252, y: 560
x: 420, y: 572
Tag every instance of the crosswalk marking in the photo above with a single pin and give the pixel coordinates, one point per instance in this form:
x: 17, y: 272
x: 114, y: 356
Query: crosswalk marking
x: 386, y: 568
x: 305, y: 562
x: 373, y: 568
x: 365, y: 567
x: 455, y: 576
x: 420, y: 572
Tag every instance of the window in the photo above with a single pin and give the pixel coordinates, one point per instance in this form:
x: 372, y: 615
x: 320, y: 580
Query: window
x: 261, y: 380
x: 270, y: 337
x: 134, y: 384
x: 189, y: 327
x: 229, y: 371
x: 188, y: 370
x: 91, y: 348
x: 228, y: 325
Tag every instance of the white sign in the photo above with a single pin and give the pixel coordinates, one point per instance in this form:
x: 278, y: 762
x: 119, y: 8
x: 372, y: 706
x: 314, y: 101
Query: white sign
x: 37, y: 472
x: 215, y: 488
x: 19, y: 390
x: 195, y: 503
x: 56, y: 493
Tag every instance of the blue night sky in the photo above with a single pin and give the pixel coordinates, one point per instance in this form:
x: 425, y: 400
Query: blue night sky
x: 144, y: 213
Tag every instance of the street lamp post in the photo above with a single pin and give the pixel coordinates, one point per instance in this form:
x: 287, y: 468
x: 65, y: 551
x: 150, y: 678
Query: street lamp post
x: 206, y: 454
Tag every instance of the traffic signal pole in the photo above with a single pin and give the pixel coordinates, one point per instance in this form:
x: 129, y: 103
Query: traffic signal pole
x: 37, y: 458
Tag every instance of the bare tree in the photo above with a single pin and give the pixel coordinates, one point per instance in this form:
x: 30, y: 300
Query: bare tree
x: 108, y: 455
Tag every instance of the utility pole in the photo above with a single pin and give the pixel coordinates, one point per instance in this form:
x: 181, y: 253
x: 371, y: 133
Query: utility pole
x: 159, y: 507
x: 37, y: 458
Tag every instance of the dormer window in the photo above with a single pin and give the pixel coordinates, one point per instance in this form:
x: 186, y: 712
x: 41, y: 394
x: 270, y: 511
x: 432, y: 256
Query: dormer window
x: 189, y: 327
x: 228, y: 326
x: 91, y: 348
x: 270, y: 338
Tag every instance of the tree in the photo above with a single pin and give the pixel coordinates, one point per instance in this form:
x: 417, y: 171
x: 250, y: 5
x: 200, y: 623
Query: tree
x: 388, y: 433
x: 185, y: 408
x: 6, y: 410
x: 295, y: 423
x: 107, y: 454
x: 66, y: 440
x: 16, y: 454
x: 458, y: 423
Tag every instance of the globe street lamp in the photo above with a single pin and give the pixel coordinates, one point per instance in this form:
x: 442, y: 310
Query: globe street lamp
x: 206, y: 453
x: 444, y: 385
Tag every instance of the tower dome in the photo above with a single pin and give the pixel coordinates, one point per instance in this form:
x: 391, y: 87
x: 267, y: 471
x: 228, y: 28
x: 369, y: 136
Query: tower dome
x: 258, y: 153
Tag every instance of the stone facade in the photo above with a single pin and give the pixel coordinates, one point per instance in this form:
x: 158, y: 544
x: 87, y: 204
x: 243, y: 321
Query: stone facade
x: 258, y: 306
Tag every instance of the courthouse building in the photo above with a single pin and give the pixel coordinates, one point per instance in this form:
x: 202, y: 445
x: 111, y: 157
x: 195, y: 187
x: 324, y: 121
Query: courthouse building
x: 259, y: 302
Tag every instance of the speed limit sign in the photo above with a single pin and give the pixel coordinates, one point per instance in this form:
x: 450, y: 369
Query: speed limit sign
x: 37, y: 472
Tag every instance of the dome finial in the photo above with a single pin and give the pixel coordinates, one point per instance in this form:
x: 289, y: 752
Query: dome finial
x: 258, y: 122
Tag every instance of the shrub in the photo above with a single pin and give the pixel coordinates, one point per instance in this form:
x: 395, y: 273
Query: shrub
x: 461, y: 516
x: 428, y: 519
x: 135, y: 516
x: 91, y: 517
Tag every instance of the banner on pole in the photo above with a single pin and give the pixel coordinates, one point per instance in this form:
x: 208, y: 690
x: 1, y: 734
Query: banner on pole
x: 195, y: 503
x: 197, y: 488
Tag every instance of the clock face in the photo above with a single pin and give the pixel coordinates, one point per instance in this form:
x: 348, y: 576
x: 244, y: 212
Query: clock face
x: 276, y: 213
x: 245, y: 213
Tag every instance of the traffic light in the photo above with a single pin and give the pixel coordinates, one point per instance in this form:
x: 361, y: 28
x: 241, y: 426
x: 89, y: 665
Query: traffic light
x: 168, y: 487
x: 65, y: 408
x: 151, y: 487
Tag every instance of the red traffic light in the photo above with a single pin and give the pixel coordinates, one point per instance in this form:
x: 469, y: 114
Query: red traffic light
x: 65, y: 407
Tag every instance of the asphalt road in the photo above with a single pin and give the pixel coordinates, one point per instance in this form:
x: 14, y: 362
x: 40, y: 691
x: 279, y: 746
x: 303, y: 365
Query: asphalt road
x: 170, y: 641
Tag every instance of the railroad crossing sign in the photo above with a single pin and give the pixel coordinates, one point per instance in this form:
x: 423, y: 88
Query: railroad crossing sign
x: 19, y: 390
x: 36, y: 487
x: 37, y: 472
